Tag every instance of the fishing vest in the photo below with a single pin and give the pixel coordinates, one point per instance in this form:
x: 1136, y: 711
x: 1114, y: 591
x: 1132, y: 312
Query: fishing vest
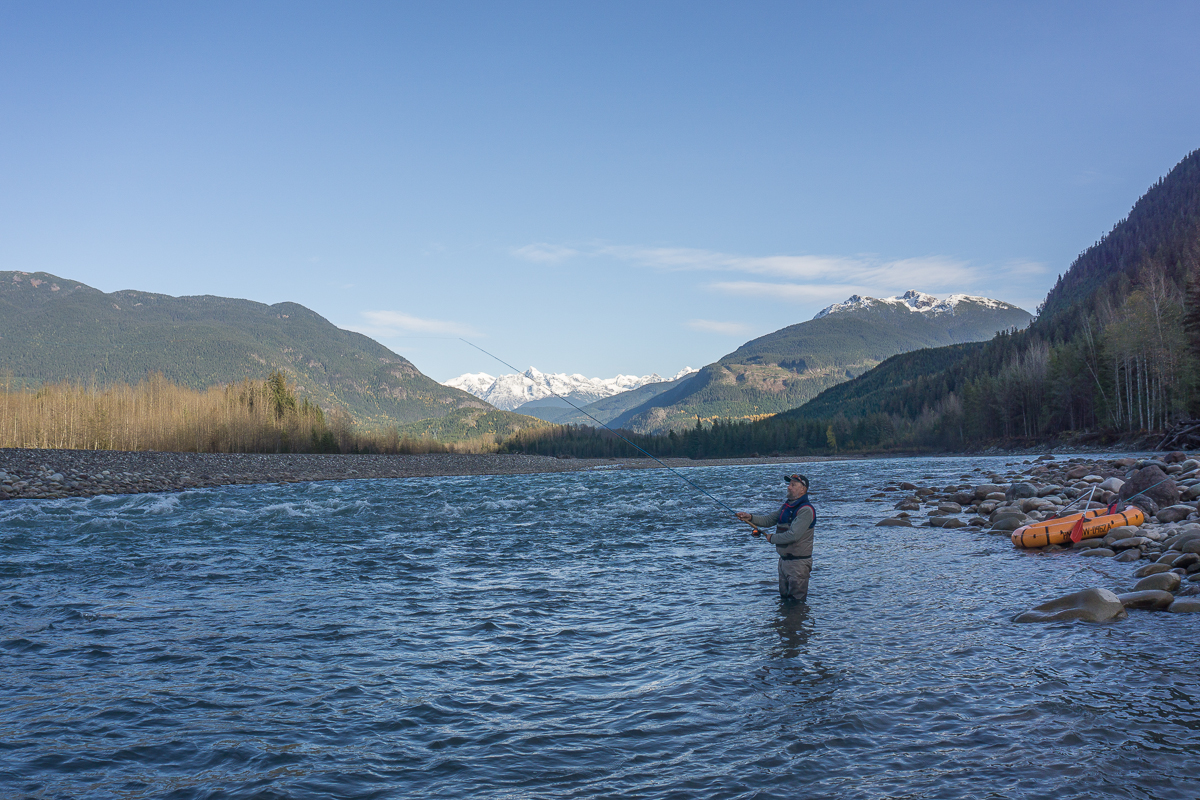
x: 801, y: 548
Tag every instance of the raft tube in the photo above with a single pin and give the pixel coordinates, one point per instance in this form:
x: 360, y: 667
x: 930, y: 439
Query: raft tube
x: 1096, y: 522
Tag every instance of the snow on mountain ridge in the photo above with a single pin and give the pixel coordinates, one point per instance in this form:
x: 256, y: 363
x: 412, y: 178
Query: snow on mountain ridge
x: 509, y: 392
x: 915, y: 301
x: 475, y: 383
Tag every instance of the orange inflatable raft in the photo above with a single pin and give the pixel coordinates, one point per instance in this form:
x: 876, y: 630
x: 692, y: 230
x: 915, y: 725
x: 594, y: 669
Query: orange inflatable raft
x: 1096, y: 522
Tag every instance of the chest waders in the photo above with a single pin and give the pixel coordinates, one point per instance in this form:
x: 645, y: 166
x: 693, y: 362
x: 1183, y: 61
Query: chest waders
x: 795, y: 564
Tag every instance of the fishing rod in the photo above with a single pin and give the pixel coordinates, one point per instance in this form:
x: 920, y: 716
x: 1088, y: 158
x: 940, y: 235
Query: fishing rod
x: 675, y: 472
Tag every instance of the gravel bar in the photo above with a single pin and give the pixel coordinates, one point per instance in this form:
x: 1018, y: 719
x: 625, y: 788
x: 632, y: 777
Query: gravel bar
x: 46, y: 474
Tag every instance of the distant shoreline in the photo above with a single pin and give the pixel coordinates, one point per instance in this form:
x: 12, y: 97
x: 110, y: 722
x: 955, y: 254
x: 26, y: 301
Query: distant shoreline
x: 42, y: 474
x: 29, y: 474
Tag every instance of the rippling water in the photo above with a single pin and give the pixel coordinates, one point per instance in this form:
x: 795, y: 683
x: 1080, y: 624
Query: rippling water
x: 601, y: 634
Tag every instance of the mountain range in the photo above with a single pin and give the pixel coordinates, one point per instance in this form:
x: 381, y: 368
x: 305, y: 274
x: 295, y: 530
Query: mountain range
x: 533, y: 390
x: 784, y: 369
x: 54, y: 329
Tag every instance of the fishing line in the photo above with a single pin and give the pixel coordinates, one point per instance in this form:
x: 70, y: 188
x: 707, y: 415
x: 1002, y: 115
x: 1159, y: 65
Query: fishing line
x: 675, y: 472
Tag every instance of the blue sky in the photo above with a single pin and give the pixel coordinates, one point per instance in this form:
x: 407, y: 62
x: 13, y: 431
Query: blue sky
x: 595, y: 188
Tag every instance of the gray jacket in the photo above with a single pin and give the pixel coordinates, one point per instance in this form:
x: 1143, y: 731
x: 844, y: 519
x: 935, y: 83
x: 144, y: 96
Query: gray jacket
x: 792, y: 541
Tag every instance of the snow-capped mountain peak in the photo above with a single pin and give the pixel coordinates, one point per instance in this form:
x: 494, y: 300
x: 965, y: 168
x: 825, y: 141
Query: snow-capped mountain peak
x: 512, y: 391
x: 472, y: 382
x: 915, y: 301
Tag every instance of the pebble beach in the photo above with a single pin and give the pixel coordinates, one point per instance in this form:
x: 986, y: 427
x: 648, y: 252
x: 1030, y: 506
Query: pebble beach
x: 1165, y: 488
x: 50, y: 474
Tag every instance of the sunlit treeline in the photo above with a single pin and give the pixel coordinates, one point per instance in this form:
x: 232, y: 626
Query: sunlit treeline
x: 247, y: 417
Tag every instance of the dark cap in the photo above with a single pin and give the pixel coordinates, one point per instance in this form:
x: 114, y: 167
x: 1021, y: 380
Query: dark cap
x: 801, y: 478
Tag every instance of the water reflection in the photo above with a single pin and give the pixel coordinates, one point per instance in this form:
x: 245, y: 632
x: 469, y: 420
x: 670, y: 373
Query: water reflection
x: 793, y: 623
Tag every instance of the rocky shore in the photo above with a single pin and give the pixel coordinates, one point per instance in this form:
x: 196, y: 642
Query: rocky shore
x: 1165, y: 488
x: 49, y: 474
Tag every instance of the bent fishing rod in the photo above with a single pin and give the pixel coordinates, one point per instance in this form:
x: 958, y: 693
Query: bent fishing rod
x: 673, y: 471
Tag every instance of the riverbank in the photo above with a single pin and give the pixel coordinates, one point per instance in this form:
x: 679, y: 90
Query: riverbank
x: 47, y: 474
x: 1166, y: 490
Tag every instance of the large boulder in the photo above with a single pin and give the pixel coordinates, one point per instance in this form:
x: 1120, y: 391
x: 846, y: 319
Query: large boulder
x: 1006, y: 511
x: 1099, y: 552
x: 893, y: 522
x: 1019, y: 491
x: 1009, y: 522
x: 947, y: 507
x: 1174, y: 513
x: 1146, y: 504
x: 1185, y: 605
x: 1090, y: 605
x: 1112, y: 485
x: 1128, y: 542
x: 1121, y: 532
x: 1147, y: 599
x: 1154, y: 483
x: 1152, y: 569
x: 1163, y: 581
x: 1087, y: 544
x: 983, y: 490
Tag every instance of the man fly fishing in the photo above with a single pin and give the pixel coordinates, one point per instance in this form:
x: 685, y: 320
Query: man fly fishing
x: 793, y: 537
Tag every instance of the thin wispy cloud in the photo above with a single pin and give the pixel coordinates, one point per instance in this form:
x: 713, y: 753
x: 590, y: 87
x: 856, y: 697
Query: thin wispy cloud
x: 543, y: 253
x: 863, y: 272
x: 681, y: 258
x: 714, y: 326
x: 805, y: 278
x: 387, y: 324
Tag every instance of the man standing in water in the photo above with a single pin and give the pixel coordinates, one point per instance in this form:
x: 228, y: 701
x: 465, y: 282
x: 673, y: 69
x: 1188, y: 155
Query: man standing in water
x: 793, y: 537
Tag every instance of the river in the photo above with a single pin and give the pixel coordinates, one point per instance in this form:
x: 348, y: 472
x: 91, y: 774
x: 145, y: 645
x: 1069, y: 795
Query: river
x: 594, y: 634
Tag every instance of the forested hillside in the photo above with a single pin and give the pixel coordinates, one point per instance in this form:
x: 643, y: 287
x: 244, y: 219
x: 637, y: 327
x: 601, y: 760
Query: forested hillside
x: 1112, y: 348
x: 53, y: 329
x: 784, y: 369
